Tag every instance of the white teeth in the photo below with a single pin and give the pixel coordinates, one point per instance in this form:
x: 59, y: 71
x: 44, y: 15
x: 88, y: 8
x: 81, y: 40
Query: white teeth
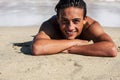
x: 70, y: 32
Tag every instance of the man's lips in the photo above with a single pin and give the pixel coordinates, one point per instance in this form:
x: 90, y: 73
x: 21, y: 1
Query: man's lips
x: 70, y: 33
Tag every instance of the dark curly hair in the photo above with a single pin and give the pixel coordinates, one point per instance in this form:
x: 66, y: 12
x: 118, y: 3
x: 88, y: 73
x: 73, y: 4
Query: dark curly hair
x: 62, y: 4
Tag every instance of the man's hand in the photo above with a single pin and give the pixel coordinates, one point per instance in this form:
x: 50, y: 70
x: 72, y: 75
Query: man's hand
x: 81, y: 42
x: 76, y: 43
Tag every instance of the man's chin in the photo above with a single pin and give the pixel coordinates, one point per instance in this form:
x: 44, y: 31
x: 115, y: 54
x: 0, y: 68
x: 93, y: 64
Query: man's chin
x: 70, y: 38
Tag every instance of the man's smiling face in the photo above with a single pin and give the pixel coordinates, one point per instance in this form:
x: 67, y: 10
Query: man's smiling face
x: 71, y: 22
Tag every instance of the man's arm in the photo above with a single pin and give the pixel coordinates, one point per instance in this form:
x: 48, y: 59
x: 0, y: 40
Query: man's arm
x: 102, y: 46
x: 43, y: 45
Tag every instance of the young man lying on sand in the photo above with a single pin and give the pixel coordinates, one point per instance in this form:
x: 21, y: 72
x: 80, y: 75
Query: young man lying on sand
x: 70, y: 32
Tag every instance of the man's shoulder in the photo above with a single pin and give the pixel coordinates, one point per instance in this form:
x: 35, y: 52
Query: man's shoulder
x: 51, y: 20
x: 90, y: 23
x: 49, y: 24
x: 51, y: 28
x: 92, y: 29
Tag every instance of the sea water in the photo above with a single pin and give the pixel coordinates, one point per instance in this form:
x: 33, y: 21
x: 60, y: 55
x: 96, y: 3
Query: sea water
x: 34, y: 12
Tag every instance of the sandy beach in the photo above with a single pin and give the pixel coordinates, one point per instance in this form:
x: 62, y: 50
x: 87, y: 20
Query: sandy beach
x: 16, y: 62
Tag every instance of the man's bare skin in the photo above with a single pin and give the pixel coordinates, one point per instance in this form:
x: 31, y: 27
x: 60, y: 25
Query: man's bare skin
x: 70, y: 33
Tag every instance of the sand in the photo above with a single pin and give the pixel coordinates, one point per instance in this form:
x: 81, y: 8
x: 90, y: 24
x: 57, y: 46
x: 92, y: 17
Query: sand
x: 16, y: 62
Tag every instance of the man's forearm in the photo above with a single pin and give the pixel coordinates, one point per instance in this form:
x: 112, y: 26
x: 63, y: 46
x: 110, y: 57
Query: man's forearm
x: 42, y: 47
x: 96, y: 49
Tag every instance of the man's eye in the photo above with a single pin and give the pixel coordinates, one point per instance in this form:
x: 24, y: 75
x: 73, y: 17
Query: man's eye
x: 64, y: 21
x: 75, y: 21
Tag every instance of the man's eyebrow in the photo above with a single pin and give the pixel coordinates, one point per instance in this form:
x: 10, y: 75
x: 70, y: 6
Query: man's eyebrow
x: 72, y: 19
x: 64, y: 18
x: 76, y: 19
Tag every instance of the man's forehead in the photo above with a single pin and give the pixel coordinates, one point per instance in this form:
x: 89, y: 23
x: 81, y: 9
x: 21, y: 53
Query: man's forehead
x: 71, y: 11
x: 78, y: 18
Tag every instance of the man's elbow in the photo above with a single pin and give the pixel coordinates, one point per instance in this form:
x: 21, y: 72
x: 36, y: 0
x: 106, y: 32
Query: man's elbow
x: 113, y: 52
x: 37, y: 50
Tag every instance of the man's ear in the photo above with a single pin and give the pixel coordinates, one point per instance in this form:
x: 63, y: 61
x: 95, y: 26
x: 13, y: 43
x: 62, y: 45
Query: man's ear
x: 84, y: 21
x: 57, y: 19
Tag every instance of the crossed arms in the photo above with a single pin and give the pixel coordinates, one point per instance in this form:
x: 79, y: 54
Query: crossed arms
x: 102, y: 46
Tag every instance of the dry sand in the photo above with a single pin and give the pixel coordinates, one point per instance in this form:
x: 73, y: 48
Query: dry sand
x: 17, y: 64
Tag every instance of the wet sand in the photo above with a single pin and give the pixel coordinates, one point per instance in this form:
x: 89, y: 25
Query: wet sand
x: 16, y: 62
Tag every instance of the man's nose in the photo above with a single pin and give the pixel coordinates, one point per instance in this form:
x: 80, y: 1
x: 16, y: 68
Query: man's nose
x: 71, y: 25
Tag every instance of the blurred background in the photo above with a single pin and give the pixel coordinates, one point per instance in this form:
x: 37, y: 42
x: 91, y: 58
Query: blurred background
x: 34, y: 12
